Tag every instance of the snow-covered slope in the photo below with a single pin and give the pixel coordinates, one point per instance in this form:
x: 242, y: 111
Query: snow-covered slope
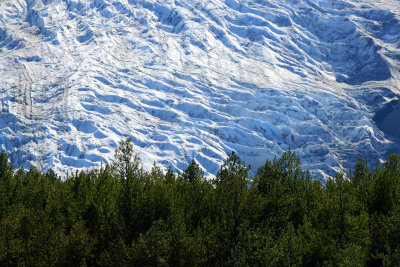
x: 198, y: 79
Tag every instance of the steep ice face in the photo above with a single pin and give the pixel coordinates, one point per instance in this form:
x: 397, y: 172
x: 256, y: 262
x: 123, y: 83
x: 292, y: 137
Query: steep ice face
x: 198, y: 79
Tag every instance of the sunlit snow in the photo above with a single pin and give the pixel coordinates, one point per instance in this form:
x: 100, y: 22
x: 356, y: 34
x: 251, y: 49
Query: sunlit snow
x: 198, y: 79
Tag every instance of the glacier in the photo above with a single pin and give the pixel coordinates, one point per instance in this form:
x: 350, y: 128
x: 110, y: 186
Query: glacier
x: 198, y: 79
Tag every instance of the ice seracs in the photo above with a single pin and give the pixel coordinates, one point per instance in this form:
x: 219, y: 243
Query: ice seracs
x: 197, y: 79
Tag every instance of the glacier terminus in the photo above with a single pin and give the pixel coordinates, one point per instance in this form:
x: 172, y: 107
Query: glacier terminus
x: 197, y: 79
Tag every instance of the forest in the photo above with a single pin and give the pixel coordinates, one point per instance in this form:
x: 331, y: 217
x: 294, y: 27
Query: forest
x: 122, y: 215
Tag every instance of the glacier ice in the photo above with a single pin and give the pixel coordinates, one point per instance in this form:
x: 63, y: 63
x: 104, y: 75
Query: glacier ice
x: 198, y: 79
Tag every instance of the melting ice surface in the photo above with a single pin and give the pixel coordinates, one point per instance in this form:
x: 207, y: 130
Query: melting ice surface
x: 199, y: 79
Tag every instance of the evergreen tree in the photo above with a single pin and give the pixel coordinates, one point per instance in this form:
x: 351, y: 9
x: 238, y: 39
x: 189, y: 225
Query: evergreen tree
x: 193, y: 172
x: 126, y: 162
x: 122, y: 215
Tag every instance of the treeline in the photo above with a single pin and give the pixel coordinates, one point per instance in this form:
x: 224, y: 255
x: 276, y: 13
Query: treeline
x: 120, y: 215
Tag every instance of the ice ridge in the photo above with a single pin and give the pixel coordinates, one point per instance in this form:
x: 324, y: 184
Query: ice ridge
x: 199, y: 79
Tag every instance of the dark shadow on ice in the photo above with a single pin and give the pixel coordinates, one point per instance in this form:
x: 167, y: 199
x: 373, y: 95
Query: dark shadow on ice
x: 7, y: 41
x: 388, y: 118
x: 85, y: 37
x: 355, y: 58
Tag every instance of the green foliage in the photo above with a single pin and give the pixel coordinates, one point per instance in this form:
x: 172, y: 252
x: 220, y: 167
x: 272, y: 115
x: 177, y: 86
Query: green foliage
x: 120, y: 215
x: 285, y: 189
x: 126, y: 162
x: 193, y: 172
